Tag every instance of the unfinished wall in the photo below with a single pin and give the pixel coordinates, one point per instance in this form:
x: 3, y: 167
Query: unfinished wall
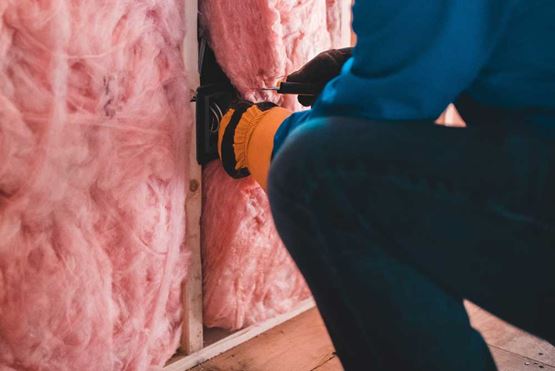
x: 248, y: 274
x: 94, y: 128
x: 93, y: 132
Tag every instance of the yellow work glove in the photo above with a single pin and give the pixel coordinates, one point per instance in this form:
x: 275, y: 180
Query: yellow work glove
x: 246, y: 139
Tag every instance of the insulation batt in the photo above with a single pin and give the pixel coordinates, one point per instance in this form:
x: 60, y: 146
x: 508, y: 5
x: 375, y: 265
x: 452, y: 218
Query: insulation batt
x: 93, y: 132
x: 248, y: 274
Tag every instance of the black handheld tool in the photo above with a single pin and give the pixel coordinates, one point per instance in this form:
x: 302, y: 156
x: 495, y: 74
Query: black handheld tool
x: 296, y: 88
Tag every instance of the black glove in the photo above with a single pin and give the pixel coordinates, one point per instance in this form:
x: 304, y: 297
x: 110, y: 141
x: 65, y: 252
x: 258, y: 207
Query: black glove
x: 320, y: 70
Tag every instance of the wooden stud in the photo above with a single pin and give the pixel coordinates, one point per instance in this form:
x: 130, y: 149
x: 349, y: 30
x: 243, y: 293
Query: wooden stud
x: 192, y: 336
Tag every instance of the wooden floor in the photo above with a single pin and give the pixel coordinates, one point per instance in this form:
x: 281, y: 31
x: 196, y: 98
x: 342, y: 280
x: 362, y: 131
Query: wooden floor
x: 302, y: 344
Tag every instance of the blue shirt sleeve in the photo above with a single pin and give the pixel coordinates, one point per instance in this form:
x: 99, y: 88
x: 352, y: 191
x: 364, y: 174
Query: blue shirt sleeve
x: 411, y: 60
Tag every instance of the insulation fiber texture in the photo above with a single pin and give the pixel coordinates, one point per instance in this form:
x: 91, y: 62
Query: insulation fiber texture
x: 248, y: 274
x: 93, y: 131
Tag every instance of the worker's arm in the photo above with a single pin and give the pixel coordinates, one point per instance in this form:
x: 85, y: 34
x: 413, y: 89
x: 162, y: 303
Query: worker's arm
x: 412, y: 59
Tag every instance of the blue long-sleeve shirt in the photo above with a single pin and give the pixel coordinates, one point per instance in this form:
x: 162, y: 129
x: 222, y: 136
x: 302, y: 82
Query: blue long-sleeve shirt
x: 494, y: 58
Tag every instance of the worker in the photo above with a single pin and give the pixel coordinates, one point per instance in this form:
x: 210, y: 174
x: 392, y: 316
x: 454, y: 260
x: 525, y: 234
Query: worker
x: 394, y: 221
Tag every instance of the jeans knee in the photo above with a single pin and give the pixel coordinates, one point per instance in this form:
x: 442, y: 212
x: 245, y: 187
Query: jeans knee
x: 299, y: 159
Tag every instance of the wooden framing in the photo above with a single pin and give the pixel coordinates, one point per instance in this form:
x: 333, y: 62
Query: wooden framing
x: 182, y: 362
x: 192, y: 338
x: 198, y: 345
x: 195, y: 349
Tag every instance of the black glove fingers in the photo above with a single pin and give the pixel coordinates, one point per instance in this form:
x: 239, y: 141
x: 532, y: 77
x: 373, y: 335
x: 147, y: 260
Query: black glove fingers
x: 307, y: 100
x: 320, y: 70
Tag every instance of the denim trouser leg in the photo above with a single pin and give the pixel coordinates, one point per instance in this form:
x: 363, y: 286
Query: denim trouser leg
x: 393, y: 224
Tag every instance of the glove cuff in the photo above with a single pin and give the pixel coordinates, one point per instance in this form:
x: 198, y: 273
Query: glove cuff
x: 237, y: 127
x: 243, y: 132
x: 260, y: 144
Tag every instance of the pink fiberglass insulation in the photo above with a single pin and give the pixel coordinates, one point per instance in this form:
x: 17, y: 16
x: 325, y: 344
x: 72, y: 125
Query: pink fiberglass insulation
x: 92, y: 137
x: 248, y: 274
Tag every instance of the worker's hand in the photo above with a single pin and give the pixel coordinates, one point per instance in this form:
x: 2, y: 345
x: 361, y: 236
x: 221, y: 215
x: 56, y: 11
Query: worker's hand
x: 246, y: 138
x: 320, y: 70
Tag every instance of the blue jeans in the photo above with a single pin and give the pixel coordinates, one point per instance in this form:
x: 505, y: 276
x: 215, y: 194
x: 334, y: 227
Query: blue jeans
x: 393, y: 225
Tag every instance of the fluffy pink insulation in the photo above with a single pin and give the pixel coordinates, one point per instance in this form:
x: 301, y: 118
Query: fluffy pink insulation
x: 249, y: 275
x: 93, y: 130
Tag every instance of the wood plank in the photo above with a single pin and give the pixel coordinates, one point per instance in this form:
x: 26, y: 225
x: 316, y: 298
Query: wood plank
x: 182, y: 362
x: 192, y: 334
x: 300, y: 344
x: 504, y: 336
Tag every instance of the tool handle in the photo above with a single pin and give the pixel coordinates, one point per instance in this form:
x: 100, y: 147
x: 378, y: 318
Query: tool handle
x: 299, y: 88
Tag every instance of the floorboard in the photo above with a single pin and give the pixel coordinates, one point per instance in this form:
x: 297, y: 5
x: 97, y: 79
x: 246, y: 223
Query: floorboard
x: 507, y: 361
x: 302, y: 344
